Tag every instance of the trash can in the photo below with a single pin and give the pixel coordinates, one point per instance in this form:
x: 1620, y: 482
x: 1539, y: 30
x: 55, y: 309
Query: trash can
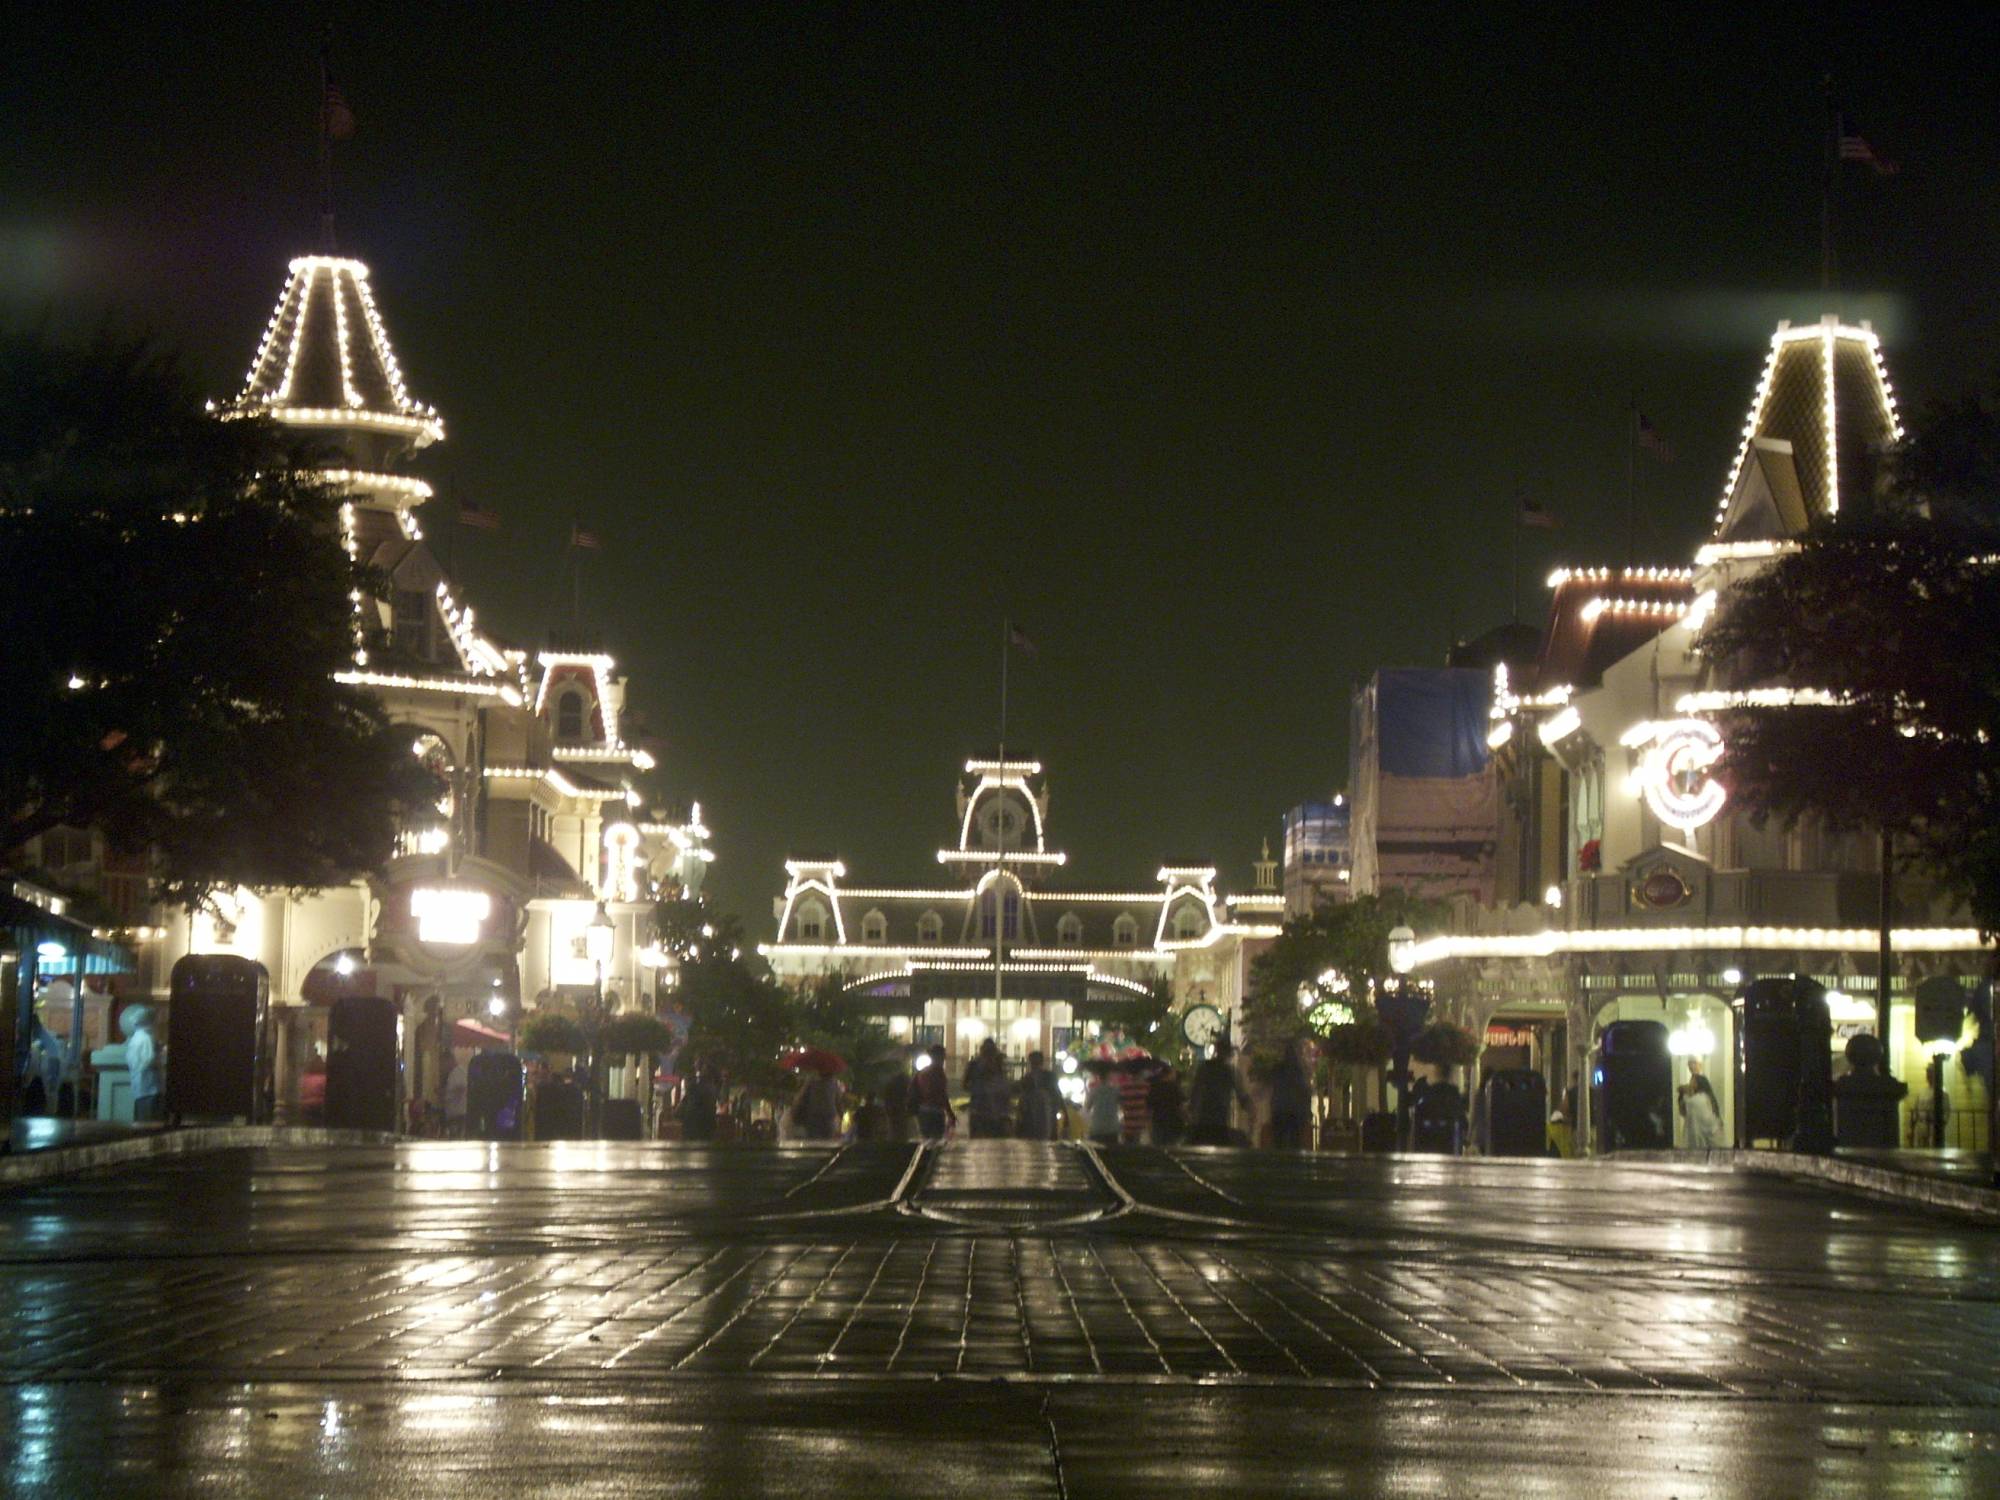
x: 219, y: 1064
x: 1769, y: 1085
x: 364, y: 1063
x: 1437, y: 1120
x: 493, y: 1097
x: 1633, y: 1085
x: 558, y: 1111
x: 623, y: 1120
x: 1866, y: 1100
x: 1517, y: 1113
x: 1378, y: 1133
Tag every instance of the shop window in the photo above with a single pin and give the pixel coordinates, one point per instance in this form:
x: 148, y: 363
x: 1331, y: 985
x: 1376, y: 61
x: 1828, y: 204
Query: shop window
x: 413, y: 623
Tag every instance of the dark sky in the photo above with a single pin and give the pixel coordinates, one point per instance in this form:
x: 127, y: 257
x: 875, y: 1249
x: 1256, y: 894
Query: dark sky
x: 1215, y: 346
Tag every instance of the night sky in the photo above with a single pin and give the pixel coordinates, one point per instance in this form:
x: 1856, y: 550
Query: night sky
x: 1215, y: 347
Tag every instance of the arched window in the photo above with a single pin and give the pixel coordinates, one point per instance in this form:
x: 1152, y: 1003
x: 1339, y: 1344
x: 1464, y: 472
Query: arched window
x: 572, y: 714
x: 930, y: 928
x: 1125, y: 931
x: 1011, y: 909
x: 874, y: 928
x: 1188, y: 923
x: 812, y: 922
x: 1069, y: 931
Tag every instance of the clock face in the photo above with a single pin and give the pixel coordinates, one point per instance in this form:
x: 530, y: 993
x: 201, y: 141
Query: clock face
x: 1202, y: 1024
x: 999, y: 819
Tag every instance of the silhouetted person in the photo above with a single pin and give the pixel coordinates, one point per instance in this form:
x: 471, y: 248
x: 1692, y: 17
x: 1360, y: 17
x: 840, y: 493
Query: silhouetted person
x: 1167, y: 1106
x: 931, y: 1091
x: 698, y: 1105
x: 986, y: 1084
x: 1291, y: 1098
x: 1216, y: 1090
x: 1041, y: 1102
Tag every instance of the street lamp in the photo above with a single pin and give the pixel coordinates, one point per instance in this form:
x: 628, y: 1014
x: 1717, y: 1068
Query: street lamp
x: 1402, y: 1006
x: 599, y: 936
x: 1402, y: 949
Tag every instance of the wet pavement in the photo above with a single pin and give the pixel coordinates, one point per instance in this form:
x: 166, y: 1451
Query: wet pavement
x: 995, y: 1319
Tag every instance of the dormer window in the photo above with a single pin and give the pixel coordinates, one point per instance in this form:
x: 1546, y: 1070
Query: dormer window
x: 572, y: 714
x: 930, y: 928
x: 1069, y: 931
x: 874, y: 928
x: 1187, y: 924
x: 812, y: 922
x: 1125, y: 931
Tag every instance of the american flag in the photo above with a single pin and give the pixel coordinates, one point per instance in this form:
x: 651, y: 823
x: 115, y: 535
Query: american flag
x: 587, y: 540
x: 1854, y: 148
x: 479, y: 517
x: 1652, y: 442
x: 1534, y: 513
x: 335, y: 118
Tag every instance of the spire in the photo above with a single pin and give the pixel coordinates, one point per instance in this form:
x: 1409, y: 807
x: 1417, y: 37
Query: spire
x: 1822, y: 416
x: 325, y: 361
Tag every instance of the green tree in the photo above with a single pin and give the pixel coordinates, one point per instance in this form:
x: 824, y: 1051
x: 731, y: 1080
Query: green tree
x: 1891, y: 610
x: 178, y: 605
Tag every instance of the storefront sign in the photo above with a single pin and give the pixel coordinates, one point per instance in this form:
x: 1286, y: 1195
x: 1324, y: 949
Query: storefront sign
x: 1673, y: 773
x: 449, y: 916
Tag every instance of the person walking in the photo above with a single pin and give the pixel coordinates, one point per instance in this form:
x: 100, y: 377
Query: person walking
x: 1291, y: 1098
x: 988, y: 1091
x: 142, y: 1061
x: 698, y: 1105
x: 1041, y: 1102
x: 1167, y: 1106
x: 817, y: 1113
x: 930, y: 1092
x: 1135, y: 1085
x: 1103, y: 1107
x: 1701, y: 1109
x: 1217, y: 1091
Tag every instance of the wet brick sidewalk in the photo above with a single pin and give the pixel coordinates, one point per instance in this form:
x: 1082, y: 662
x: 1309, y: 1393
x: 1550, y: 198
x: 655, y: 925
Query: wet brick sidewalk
x: 618, y: 1268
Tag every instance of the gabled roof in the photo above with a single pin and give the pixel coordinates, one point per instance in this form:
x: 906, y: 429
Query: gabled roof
x: 1602, y: 615
x: 1821, y: 418
x: 325, y: 359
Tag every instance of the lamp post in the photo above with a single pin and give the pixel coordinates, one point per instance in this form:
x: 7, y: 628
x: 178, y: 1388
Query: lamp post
x: 1402, y: 1006
x: 600, y: 934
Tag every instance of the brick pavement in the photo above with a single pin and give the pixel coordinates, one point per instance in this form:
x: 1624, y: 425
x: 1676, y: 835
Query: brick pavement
x: 434, y: 1263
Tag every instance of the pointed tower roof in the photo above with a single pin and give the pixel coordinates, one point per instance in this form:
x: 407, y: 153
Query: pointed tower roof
x: 325, y: 360
x: 1822, y: 416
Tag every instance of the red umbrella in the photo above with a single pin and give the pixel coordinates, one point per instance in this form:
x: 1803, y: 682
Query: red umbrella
x: 817, y: 1059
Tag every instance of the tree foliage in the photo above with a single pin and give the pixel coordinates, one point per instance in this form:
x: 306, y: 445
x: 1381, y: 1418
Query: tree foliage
x: 1893, y: 609
x: 178, y: 604
x: 634, y: 1033
x: 547, y: 1031
x: 1322, y: 970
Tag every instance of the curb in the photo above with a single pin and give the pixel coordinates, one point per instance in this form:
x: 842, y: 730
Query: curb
x: 30, y: 1167
x: 1885, y: 1182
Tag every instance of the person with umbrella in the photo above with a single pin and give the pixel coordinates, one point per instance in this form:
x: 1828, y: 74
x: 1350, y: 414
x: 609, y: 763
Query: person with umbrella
x: 816, y: 1112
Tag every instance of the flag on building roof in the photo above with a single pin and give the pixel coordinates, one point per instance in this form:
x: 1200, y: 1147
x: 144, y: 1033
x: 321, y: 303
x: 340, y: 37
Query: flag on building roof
x: 587, y: 540
x: 1854, y: 148
x: 478, y: 517
x: 1018, y: 639
x: 335, y: 118
x: 1652, y: 442
x: 1534, y: 513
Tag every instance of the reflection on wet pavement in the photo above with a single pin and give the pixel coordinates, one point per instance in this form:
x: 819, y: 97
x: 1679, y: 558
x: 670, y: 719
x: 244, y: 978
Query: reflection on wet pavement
x: 563, y: 1310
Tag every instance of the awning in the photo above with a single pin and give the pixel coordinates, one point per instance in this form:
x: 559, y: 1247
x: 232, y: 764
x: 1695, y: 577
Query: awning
x: 470, y: 1033
x: 26, y: 925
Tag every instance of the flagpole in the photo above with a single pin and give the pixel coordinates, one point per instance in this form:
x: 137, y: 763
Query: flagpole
x: 1632, y: 482
x: 1000, y: 860
x: 1829, y: 178
x: 326, y: 236
x: 1514, y: 572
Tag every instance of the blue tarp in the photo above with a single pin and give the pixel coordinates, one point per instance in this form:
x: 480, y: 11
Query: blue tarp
x: 1432, y: 722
